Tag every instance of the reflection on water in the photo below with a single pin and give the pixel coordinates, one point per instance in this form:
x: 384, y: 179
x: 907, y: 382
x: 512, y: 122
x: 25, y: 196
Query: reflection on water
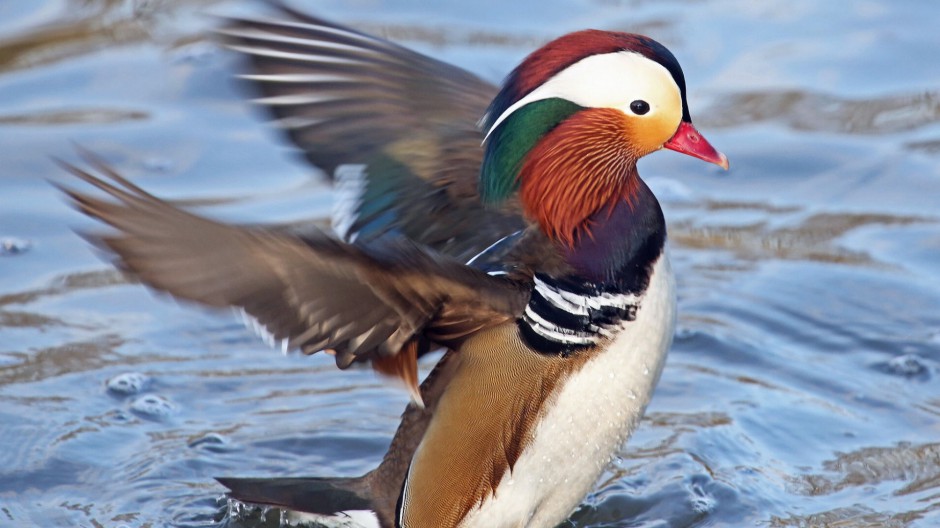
x: 801, y: 388
x: 816, y: 112
x: 915, y: 467
x: 815, y: 238
x: 855, y: 516
x: 91, y: 26
x: 71, y: 117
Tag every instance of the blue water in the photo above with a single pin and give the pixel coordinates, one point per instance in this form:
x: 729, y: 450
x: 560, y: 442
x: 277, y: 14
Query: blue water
x: 802, y: 388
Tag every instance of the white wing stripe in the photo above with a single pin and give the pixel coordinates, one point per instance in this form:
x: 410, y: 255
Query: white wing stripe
x: 555, y: 332
x: 582, y: 304
x: 294, y: 99
x: 318, y: 27
x: 297, y: 78
x: 259, y: 329
x: 305, y: 57
x: 257, y: 34
x: 561, y: 299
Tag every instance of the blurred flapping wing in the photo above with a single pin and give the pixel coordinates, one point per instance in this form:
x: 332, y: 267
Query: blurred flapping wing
x: 314, y: 293
x: 395, y: 129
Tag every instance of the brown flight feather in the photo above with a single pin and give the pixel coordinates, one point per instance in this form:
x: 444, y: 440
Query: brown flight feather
x: 314, y: 292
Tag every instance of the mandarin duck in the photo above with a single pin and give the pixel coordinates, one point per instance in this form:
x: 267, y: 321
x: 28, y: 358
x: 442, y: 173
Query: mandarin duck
x: 524, y: 244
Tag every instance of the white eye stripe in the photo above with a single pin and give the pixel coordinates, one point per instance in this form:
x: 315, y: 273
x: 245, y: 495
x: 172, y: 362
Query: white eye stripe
x: 607, y: 80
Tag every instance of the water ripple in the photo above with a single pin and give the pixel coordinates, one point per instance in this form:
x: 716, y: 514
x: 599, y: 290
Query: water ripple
x: 820, y: 112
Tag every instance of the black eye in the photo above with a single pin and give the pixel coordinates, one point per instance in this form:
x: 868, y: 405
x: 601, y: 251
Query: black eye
x: 639, y: 107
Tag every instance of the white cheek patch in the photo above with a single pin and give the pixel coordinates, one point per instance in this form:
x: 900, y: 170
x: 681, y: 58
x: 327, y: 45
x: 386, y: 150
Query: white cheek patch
x: 608, y: 80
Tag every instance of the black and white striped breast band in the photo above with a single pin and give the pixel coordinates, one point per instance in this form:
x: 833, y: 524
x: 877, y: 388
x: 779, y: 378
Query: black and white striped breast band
x: 564, y: 317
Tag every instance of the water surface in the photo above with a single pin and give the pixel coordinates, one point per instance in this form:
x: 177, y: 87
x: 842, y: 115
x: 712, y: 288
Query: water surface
x: 802, y: 388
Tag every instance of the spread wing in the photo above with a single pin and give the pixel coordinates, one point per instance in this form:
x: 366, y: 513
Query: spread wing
x: 396, y: 130
x: 313, y: 293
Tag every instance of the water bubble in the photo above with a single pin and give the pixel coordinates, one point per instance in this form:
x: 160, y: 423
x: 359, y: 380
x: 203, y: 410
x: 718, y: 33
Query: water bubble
x: 13, y: 246
x: 128, y: 383
x: 153, y: 407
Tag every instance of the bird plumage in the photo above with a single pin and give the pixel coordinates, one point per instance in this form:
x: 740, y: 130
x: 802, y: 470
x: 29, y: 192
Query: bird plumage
x: 350, y: 100
x: 537, y: 260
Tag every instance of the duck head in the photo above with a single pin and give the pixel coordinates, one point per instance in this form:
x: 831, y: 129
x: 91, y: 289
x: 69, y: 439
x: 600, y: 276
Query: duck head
x: 571, y: 121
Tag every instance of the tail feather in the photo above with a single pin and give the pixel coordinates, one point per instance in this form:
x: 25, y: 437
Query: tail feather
x: 325, y: 496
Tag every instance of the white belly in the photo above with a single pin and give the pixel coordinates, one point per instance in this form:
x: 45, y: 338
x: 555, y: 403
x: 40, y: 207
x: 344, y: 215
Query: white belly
x: 589, y: 419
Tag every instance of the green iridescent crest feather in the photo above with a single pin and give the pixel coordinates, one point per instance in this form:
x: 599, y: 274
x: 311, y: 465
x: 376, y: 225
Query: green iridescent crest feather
x: 508, y: 144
